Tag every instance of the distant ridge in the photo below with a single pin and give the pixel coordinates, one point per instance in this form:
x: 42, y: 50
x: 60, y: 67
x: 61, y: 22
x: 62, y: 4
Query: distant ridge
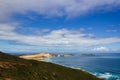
x: 15, y: 68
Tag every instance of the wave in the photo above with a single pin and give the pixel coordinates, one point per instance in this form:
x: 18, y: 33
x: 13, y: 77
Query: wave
x: 107, y: 76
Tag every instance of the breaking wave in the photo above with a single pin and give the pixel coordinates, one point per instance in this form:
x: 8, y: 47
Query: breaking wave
x: 107, y: 76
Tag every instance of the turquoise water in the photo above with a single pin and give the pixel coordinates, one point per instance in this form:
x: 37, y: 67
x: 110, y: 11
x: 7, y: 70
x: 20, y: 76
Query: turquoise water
x: 102, y: 65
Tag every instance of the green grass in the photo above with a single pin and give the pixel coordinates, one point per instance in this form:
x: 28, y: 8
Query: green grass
x: 21, y: 69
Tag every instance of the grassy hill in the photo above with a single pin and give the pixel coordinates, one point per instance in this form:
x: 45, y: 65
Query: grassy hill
x: 14, y: 68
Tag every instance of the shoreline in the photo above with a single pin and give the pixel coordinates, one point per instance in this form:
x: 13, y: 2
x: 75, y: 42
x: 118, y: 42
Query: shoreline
x: 42, y: 56
x: 47, y: 59
x: 44, y: 59
x: 104, y: 76
x: 19, y: 69
x: 70, y: 67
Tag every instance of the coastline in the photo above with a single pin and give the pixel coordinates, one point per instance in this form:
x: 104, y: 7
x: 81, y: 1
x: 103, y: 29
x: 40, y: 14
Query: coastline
x: 46, y: 57
x: 22, y: 69
x: 107, y: 75
x: 49, y: 60
x: 42, y: 56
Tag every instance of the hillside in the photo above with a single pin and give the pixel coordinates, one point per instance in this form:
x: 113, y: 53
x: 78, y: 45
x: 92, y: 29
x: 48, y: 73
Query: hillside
x: 14, y: 68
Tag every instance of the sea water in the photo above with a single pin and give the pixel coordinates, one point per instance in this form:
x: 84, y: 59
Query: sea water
x: 102, y: 65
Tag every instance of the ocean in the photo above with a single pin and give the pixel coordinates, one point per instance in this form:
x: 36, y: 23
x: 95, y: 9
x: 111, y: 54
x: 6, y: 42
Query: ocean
x: 102, y: 65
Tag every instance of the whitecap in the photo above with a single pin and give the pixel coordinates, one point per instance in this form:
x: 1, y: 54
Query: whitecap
x: 106, y: 75
x: 95, y: 74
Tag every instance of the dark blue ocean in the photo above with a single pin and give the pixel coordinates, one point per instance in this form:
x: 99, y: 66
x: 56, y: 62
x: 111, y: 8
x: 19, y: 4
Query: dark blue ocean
x: 102, y: 65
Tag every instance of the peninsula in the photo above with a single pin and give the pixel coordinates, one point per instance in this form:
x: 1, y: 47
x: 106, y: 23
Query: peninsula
x: 42, y: 56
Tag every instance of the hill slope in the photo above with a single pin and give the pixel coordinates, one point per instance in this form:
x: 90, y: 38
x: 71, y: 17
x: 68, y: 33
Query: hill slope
x: 14, y: 68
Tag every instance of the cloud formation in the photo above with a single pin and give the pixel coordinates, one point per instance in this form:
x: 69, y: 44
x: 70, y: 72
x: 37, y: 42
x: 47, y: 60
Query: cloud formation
x: 101, y: 49
x: 69, y: 8
x: 59, y: 37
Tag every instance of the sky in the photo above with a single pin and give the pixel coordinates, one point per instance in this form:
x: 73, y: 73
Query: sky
x: 64, y: 26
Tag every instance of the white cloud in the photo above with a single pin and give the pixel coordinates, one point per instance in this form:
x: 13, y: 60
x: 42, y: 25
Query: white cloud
x: 69, y: 8
x: 111, y: 30
x: 59, y: 37
x: 101, y: 49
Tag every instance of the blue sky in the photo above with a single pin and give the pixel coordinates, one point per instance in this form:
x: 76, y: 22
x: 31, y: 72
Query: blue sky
x: 65, y: 26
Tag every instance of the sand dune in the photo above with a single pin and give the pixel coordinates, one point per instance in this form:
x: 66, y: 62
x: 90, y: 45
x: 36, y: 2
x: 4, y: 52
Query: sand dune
x: 39, y: 57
